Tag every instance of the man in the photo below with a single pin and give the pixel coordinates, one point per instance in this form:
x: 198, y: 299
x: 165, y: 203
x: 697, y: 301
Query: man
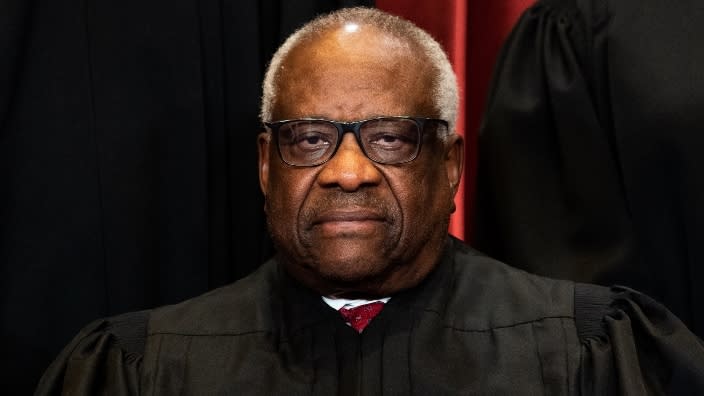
x: 359, y: 165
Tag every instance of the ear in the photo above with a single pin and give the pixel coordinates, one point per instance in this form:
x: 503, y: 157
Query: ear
x: 454, y: 161
x: 263, y: 145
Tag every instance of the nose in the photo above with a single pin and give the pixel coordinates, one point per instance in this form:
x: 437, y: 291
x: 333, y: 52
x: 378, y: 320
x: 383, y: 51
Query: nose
x: 349, y: 168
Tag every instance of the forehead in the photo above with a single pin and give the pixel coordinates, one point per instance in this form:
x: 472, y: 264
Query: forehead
x: 352, y: 74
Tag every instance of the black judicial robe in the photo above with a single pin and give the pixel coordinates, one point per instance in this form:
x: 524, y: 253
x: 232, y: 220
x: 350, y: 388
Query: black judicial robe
x: 591, y: 164
x: 474, y: 326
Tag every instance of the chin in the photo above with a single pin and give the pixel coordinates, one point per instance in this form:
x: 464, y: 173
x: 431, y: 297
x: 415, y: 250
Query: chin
x: 341, y: 278
x: 352, y: 271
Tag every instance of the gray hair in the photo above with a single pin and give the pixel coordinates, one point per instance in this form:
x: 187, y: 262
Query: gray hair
x: 445, y: 91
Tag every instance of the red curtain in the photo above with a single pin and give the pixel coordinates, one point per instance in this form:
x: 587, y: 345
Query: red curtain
x: 472, y: 34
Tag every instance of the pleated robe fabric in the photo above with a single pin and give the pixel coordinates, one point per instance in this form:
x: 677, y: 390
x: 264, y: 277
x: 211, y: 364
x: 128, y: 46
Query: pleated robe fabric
x: 590, y: 150
x: 474, y: 326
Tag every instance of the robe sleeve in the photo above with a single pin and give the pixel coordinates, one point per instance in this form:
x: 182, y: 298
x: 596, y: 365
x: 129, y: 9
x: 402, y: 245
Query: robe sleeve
x: 633, y: 345
x: 549, y: 196
x: 104, y: 358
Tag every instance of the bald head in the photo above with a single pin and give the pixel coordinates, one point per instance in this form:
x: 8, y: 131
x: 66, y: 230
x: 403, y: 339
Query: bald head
x: 350, y: 41
x: 346, y: 59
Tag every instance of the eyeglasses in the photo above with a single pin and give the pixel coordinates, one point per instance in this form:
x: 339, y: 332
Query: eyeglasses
x: 385, y: 140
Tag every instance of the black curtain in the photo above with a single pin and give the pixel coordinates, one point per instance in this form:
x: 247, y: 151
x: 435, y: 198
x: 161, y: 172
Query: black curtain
x: 127, y: 158
x: 591, y: 164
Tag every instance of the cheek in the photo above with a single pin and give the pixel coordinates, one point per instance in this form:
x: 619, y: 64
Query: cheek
x: 425, y: 191
x: 286, y: 192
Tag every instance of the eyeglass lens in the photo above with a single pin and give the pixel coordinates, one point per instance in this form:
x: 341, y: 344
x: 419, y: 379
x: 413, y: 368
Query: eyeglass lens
x: 383, y: 140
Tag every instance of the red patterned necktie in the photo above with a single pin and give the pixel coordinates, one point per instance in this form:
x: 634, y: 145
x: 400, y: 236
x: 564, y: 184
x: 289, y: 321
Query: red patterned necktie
x: 359, y: 317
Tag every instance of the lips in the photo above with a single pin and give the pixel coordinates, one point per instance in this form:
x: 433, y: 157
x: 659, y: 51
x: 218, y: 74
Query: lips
x: 344, y: 214
x: 348, y: 215
x: 348, y: 223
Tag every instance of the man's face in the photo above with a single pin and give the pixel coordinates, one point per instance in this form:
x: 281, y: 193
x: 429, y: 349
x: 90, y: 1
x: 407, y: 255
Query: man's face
x: 352, y: 226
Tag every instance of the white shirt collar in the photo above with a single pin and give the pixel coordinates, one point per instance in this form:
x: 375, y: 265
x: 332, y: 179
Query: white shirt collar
x: 337, y: 303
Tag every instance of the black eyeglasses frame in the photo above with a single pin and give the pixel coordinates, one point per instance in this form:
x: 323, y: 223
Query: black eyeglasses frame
x: 354, y: 127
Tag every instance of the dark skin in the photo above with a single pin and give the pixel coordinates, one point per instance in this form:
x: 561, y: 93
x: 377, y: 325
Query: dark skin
x: 351, y: 227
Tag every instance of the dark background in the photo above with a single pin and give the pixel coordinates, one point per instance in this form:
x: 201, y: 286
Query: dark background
x: 127, y: 158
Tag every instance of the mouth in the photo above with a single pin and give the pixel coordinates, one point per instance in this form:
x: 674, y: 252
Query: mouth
x: 346, y: 215
x: 349, y: 222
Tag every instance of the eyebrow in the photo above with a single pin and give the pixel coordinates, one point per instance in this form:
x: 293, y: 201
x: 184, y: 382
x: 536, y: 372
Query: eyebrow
x: 321, y: 117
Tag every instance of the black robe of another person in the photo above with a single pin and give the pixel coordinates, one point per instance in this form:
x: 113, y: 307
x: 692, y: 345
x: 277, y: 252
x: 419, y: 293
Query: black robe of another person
x: 592, y: 148
x: 474, y: 326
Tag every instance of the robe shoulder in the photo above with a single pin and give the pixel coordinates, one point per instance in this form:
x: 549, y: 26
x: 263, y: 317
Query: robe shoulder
x: 108, y: 353
x: 244, y: 306
x: 627, y: 342
x: 105, y: 354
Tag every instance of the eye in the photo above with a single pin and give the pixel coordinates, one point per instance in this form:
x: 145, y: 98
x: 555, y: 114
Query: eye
x: 390, y: 134
x: 311, y: 140
x: 307, y: 141
x: 389, y: 141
